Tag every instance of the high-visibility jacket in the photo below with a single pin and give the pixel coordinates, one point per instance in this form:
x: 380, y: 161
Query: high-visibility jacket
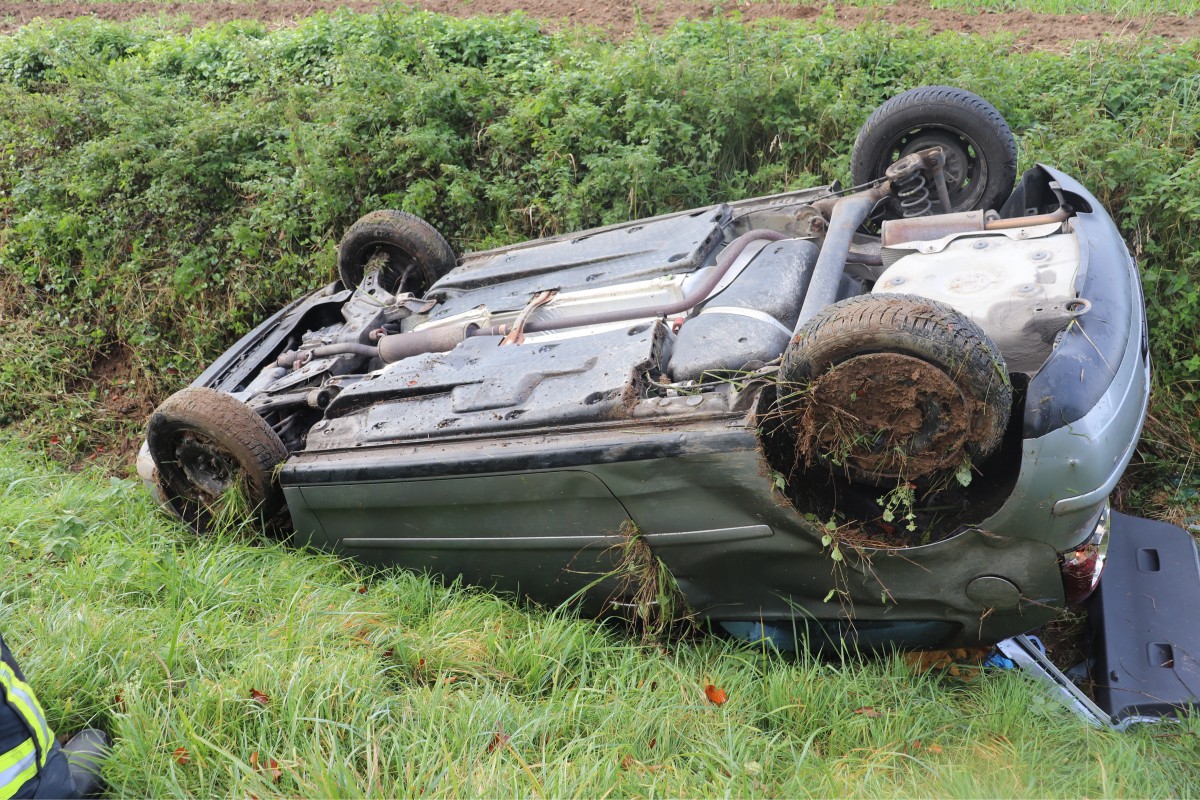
x: 25, y: 739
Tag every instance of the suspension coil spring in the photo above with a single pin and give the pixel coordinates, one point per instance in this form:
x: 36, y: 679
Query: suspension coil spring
x: 913, y: 191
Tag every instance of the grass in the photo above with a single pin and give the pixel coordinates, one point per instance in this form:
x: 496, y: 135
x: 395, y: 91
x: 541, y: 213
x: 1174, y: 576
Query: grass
x: 1121, y: 9
x: 211, y: 659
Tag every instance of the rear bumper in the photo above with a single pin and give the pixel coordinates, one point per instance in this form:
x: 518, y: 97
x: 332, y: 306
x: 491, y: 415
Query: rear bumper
x: 1143, y: 617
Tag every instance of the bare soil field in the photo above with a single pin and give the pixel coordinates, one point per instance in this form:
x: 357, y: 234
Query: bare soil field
x: 621, y: 17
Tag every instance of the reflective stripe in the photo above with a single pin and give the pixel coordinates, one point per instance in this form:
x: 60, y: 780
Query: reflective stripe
x: 17, y: 766
x: 24, y: 701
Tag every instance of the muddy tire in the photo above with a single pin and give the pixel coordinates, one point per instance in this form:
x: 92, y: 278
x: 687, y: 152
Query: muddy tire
x: 417, y: 255
x: 894, y: 388
x: 205, y: 444
x: 981, y: 154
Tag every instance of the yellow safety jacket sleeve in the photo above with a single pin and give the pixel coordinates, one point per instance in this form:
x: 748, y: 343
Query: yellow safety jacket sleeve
x: 22, y: 756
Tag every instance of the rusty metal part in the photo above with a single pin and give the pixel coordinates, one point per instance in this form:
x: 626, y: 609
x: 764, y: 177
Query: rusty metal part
x: 400, y: 346
x: 866, y: 257
x: 912, y: 191
x: 929, y: 159
x: 847, y: 215
x: 810, y: 221
x: 1059, y: 215
x: 939, y: 226
x: 825, y: 206
x: 923, y: 229
x: 321, y: 398
x: 517, y: 334
x: 440, y: 340
x: 939, y: 183
x: 298, y: 358
x: 910, y: 177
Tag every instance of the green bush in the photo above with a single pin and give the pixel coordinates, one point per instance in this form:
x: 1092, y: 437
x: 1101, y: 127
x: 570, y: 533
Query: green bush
x: 161, y: 193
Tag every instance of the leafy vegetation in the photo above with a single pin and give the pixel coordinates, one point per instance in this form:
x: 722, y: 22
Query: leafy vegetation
x: 225, y: 669
x: 1121, y: 8
x: 161, y: 193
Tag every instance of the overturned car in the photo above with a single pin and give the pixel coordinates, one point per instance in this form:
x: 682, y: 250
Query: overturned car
x: 890, y: 414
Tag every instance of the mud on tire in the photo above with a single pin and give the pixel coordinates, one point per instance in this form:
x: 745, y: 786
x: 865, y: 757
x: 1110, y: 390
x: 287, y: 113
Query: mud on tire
x: 207, y: 445
x: 894, y: 388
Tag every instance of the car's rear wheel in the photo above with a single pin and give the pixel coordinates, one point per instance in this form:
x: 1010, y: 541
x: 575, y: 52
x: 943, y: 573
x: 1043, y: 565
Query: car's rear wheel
x: 216, y: 459
x: 416, y: 254
x: 981, y: 153
x: 894, y: 388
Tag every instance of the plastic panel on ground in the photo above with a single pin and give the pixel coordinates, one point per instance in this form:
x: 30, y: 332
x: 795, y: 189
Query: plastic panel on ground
x: 1147, y: 633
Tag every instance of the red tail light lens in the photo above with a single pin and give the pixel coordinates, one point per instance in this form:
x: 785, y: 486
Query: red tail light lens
x: 1081, y: 567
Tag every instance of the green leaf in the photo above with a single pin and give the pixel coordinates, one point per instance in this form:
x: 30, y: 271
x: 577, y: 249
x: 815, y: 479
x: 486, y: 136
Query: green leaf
x: 963, y: 475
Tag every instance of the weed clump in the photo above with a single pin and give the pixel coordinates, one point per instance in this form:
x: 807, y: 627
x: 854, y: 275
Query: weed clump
x: 646, y: 589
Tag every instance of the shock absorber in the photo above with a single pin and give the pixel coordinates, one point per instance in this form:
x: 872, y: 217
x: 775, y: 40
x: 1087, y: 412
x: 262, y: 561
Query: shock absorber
x: 913, y: 191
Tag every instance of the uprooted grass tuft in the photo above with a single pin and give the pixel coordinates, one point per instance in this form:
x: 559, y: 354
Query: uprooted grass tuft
x: 647, y: 589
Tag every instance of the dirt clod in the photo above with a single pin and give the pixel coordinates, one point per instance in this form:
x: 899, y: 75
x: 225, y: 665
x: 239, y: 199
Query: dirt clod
x: 885, y: 416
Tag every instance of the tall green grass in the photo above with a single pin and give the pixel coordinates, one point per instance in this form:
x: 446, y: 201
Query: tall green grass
x: 390, y: 684
x: 161, y: 193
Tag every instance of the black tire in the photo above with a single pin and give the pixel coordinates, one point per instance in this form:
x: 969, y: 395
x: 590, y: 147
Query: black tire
x: 981, y: 154
x: 894, y: 388
x: 417, y: 254
x: 204, y: 443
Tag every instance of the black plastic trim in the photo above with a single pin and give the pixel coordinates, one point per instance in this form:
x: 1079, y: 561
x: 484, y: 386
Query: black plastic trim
x: 238, y: 365
x: 1085, y: 361
x: 518, y: 454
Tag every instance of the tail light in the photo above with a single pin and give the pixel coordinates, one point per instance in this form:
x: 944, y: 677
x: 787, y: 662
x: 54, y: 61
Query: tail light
x: 1082, y: 565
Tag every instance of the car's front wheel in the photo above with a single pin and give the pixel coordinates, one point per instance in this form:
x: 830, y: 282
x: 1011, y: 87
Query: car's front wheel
x: 216, y: 459
x: 416, y: 254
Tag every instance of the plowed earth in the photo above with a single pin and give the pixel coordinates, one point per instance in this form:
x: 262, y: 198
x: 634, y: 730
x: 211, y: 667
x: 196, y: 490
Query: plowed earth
x: 621, y: 17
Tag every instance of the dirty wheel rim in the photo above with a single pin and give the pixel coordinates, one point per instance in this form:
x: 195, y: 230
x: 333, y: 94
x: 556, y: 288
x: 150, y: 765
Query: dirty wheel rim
x: 401, y: 272
x: 966, y: 171
x: 208, y: 468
